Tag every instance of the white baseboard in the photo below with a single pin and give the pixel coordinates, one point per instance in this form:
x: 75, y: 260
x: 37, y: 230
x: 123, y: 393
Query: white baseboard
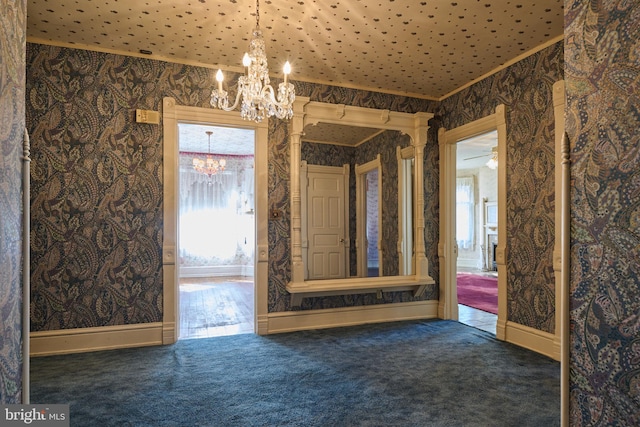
x: 331, y: 318
x: 216, y: 271
x: 81, y: 340
x: 532, y: 339
x: 469, y: 262
x: 67, y: 341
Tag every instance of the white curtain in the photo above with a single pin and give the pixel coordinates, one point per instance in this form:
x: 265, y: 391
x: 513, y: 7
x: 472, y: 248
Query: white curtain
x: 465, y: 207
x: 216, y: 214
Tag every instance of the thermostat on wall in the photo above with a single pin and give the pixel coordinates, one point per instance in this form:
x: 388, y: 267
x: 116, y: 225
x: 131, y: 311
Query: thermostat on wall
x: 148, y: 116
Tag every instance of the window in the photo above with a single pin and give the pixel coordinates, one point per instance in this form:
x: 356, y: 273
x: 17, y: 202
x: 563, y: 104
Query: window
x: 465, y: 207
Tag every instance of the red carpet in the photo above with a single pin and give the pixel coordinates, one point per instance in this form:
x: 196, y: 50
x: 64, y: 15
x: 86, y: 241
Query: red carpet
x: 479, y: 292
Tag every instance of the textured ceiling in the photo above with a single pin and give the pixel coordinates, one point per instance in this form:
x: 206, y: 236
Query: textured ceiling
x: 224, y: 140
x: 336, y: 134
x: 475, y: 152
x: 425, y: 49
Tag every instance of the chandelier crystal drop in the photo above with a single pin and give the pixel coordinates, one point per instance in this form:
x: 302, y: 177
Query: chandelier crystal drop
x: 210, y: 166
x: 258, y: 97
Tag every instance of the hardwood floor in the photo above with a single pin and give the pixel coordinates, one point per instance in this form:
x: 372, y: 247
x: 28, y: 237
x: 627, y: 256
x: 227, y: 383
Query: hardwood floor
x: 474, y: 317
x: 212, y: 307
x: 477, y: 318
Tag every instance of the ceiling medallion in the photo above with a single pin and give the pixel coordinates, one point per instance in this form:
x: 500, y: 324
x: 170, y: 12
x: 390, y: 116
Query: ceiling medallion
x: 258, y: 97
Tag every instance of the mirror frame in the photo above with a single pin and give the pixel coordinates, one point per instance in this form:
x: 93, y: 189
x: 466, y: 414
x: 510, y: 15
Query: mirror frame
x: 308, y: 112
x: 405, y: 246
x: 362, y: 243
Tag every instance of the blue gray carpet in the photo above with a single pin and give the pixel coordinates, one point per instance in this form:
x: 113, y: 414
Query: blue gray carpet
x: 421, y: 373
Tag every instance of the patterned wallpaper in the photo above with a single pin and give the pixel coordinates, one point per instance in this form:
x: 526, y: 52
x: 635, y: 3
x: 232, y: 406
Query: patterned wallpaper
x: 603, y: 117
x: 12, y: 82
x: 96, y: 199
x: 526, y: 90
x: 97, y: 184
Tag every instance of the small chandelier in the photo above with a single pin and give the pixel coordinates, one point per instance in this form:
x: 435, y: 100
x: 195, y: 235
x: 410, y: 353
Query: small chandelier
x: 210, y: 166
x: 493, y: 161
x: 258, y: 97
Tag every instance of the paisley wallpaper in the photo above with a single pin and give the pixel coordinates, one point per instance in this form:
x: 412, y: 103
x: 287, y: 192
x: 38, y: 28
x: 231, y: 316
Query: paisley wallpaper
x: 526, y: 90
x: 13, y: 21
x: 97, y: 185
x: 602, y: 57
x: 97, y: 207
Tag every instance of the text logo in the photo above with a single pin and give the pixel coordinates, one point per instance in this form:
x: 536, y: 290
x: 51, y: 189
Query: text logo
x: 34, y: 415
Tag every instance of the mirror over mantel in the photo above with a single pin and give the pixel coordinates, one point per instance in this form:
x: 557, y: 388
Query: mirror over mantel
x: 316, y: 124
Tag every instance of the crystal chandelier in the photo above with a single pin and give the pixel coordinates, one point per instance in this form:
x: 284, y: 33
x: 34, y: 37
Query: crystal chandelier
x: 258, y: 97
x: 210, y: 166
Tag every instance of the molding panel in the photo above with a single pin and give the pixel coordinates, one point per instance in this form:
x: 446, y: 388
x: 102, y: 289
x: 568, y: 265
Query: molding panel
x: 350, y: 316
x: 65, y: 341
x: 532, y: 339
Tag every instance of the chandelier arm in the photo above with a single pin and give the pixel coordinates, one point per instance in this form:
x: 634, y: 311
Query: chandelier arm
x: 267, y: 90
x: 221, y: 100
x: 259, y: 98
x: 270, y: 93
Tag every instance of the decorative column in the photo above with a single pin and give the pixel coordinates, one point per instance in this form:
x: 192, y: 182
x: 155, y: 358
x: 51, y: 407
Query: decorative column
x: 297, y: 266
x: 419, y: 140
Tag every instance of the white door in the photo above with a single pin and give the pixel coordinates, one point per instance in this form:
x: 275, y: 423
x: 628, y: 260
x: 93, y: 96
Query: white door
x: 325, y: 222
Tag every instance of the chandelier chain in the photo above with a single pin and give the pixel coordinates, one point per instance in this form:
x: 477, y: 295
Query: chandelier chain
x: 255, y: 95
x: 257, y: 13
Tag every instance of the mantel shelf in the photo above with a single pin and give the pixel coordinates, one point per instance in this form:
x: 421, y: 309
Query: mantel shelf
x: 356, y: 285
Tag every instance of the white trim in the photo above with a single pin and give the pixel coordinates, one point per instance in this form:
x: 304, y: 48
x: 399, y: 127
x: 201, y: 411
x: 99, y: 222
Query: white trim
x: 406, y: 197
x: 447, y: 247
x: 327, y: 171
x: 65, y: 341
x: 561, y: 255
x: 172, y: 115
x: 532, y: 339
x: 240, y: 69
x: 26, y: 264
x: 505, y: 65
x: 349, y: 316
x: 308, y: 112
x: 362, y: 215
x: 217, y: 271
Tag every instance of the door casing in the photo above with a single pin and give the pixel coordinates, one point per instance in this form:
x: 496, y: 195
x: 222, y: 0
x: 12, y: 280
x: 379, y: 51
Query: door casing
x: 447, y: 248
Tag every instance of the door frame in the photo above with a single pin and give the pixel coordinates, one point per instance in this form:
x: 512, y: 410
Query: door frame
x: 361, y: 216
x: 304, y: 185
x: 447, y: 248
x: 171, y: 115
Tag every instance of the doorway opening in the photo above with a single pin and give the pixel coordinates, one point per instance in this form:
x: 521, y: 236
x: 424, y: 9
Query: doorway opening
x: 216, y: 230
x: 476, y: 235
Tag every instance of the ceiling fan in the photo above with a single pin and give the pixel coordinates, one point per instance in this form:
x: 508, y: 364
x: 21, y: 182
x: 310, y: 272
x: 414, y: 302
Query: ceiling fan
x: 477, y: 157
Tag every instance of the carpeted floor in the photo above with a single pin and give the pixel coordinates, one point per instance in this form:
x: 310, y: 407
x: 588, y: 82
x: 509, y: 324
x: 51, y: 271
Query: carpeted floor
x: 420, y: 373
x: 478, y: 291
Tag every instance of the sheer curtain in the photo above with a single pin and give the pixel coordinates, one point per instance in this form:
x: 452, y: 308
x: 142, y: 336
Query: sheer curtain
x: 465, y: 206
x: 216, y: 213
